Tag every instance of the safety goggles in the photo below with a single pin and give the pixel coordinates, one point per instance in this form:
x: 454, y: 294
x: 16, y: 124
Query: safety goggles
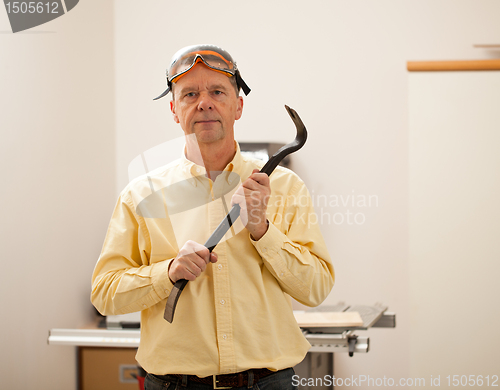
x: 211, y: 56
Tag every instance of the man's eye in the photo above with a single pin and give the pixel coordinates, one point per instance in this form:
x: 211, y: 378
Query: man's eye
x: 217, y: 92
x: 190, y: 94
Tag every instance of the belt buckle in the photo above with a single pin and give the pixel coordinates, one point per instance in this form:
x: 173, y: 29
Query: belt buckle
x: 215, y: 383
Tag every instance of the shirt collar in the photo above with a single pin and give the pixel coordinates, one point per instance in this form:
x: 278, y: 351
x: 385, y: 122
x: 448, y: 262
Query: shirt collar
x: 192, y: 169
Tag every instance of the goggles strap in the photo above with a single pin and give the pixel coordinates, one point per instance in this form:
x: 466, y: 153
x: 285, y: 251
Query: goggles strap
x: 241, y: 83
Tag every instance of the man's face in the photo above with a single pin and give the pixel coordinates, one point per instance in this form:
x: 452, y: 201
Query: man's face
x: 206, y: 105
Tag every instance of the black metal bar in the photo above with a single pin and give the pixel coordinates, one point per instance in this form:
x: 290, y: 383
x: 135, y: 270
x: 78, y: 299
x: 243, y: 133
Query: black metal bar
x: 233, y: 215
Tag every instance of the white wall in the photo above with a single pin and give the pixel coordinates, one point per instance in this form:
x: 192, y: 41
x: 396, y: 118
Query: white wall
x: 57, y: 165
x: 454, y: 225
x: 340, y: 64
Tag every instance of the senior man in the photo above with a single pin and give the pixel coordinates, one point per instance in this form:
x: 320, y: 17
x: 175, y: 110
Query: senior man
x: 234, y: 326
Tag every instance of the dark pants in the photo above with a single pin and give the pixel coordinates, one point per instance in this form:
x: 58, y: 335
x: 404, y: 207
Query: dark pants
x: 281, y: 380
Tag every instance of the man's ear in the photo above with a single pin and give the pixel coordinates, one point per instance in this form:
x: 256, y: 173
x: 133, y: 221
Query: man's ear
x: 172, y: 108
x: 239, y: 108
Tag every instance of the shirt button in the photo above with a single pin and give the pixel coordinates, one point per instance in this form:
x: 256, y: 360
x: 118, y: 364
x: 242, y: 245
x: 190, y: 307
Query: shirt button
x: 264, y: 249
x: 144, y: 305
x: 224, y: 336
x: 281, y: 274
x: 222, y: 301
x: 219, y: 266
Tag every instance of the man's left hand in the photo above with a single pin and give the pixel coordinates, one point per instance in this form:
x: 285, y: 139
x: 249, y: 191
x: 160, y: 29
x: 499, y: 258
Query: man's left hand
x: 253, y: 196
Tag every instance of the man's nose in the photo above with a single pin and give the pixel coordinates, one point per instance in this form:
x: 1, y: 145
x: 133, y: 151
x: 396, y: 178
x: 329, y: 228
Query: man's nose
x: 205, y: 103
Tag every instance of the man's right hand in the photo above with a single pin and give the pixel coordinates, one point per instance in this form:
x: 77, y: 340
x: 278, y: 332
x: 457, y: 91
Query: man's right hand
x: 191, y: 261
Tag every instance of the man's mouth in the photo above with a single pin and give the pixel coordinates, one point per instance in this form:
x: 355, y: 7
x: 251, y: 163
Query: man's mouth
x: 205, y: 121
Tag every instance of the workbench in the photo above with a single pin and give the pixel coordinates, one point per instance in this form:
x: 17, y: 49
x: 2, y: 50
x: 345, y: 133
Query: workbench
x: 325, y: 341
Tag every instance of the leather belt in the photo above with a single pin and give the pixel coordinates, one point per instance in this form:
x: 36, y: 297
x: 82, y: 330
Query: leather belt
x: 225, y: 381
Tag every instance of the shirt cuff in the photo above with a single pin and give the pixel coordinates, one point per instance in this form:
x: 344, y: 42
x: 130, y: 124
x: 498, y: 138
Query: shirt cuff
x: 159, y: 277
x: 270, y: 242
x: 270, y: 248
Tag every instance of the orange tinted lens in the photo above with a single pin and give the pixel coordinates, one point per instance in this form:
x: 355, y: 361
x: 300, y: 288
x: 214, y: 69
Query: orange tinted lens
x: 211, y: 58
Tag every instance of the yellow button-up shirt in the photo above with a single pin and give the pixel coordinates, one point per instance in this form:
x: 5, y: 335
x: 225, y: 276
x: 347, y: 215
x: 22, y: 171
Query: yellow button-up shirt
x: 237, y: 314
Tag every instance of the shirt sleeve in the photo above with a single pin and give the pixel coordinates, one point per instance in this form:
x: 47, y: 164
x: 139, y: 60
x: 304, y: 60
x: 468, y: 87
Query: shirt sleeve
x: 124, y: 280
x: 294, y: 251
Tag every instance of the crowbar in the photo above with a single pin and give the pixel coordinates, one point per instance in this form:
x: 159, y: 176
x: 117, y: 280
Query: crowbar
x: 227, y: 222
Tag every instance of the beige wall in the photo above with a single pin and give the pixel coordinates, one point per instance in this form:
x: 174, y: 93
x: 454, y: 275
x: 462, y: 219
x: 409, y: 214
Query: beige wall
x: 341, y: 65
x: 58, y: 189
x: 454, y: 225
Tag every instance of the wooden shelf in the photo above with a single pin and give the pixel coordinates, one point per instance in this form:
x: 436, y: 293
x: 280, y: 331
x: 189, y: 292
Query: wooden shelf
x: 440, y: 66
